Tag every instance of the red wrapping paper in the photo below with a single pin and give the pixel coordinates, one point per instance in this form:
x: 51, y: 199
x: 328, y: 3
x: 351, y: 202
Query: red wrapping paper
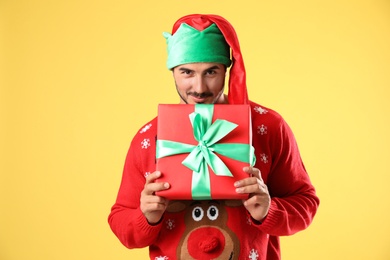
x: 174, y: 125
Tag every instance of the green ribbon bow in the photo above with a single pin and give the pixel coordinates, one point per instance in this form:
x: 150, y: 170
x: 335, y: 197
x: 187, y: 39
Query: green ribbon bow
x: 203, y: 155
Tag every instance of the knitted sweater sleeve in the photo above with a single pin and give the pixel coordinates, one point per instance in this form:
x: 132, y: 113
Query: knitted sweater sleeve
x: 126, y: 219
x: 293, y: 198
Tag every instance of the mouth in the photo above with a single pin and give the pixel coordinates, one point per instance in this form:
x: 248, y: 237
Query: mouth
x: 200, y: 98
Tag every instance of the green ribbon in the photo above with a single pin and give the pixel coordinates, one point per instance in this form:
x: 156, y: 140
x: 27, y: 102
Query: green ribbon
x: 203, y: 155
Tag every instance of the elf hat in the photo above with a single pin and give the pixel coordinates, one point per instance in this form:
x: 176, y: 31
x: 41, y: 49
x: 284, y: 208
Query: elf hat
x: 210, y: 47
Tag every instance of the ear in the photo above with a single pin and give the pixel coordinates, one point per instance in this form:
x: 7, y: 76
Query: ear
x: 233, y: 203
x: 176, y: 206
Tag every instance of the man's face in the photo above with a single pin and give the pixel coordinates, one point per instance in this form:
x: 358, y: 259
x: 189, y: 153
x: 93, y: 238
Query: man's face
x: 200, y: 83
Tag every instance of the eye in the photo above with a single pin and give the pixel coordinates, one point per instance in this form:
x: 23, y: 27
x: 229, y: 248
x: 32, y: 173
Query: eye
x: 186, y: 72
x: 197, y: 213
x: 211, y: 72
x: 212, y: 212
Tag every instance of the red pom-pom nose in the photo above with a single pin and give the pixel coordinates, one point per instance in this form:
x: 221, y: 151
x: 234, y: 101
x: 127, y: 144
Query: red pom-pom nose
x: 206, y: 243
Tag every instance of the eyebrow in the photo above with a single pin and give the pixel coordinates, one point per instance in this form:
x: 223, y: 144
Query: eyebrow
x: 215, y: 67
x: 185, y: 69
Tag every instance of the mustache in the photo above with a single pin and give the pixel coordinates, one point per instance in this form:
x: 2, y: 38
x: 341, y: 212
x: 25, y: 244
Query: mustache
x: 200, y: 95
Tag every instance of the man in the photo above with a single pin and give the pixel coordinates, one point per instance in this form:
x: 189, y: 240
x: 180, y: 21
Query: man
x: 282, y: 200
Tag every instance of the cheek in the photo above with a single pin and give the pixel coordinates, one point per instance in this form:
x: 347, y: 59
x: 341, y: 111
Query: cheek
x: 182, y: 84
x: 218, y: 85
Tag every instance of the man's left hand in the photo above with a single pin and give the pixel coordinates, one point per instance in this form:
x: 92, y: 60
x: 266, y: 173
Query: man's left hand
x: 259, y: 200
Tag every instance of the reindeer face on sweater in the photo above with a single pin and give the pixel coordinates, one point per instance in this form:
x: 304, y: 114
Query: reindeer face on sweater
x: 206, y: 235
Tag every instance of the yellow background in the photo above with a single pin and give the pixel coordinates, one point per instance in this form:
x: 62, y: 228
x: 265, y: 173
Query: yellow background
x: 78, y: 78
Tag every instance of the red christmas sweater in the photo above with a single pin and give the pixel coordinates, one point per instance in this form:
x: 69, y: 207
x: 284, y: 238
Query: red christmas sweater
x: 219, y: 229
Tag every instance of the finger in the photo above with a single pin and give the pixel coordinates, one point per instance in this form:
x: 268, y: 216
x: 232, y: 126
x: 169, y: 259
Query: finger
x: 153, y: 202
x: 247, y: 169
x: 153, y: 176
x: 151, y: 188
x: 156, y: 200
x: 255, y: 172
x: 251, y: 171
x: 253, y: 188
x: 251, y: 185
x: 246, y: 182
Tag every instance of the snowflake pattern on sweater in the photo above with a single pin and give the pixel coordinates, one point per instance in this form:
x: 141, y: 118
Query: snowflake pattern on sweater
x: 145, y: 144
x: 161, y: 258
x: 253, y: 255
x: 260, y: 110
x: 262, y: 130
x: 145, y: 128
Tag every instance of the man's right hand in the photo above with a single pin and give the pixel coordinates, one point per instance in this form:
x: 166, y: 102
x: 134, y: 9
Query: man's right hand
x: 153, y: 206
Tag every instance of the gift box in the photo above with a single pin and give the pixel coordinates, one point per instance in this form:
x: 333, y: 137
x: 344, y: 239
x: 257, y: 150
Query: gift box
x: 201, y: 150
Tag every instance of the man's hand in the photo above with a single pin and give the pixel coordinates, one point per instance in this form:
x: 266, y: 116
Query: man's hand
x: 259, y: 199
x: 152, y: 206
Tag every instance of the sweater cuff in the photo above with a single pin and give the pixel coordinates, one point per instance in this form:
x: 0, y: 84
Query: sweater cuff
x: 271, y: 220
x: 144, y: 225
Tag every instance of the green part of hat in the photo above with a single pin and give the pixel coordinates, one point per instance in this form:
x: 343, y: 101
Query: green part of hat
x: 188, y: 45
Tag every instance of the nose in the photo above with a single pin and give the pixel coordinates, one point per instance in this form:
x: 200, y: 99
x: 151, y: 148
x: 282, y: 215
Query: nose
x: 199, y: 85
x: 207, y: 243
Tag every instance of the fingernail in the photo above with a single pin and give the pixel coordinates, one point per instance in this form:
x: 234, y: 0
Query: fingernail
x: 166, y: 185
x: 236, y: 184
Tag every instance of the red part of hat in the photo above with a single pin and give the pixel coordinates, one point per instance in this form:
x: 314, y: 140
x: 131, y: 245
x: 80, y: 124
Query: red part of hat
x: 238, y: 93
